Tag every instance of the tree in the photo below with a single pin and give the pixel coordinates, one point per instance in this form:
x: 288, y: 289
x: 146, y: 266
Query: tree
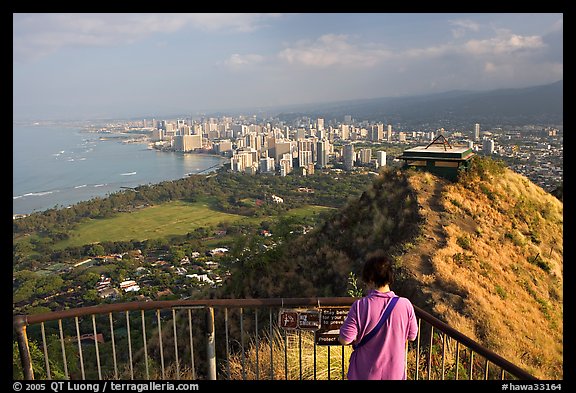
x: 176, y: 254
x: 96, y: 250
x: 89, y: 279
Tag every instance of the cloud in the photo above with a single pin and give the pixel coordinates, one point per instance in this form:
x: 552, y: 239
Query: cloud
x: 39, y: 35
x: 333, y: 50
x: 238, y: 60
x: 512, y: 43
x: 339, y: 50
x: 462, y: 26
x: 236, y: 22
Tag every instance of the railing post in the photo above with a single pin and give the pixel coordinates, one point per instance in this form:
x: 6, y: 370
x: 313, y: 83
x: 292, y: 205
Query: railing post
x: 210, y: 343
x: 23, y: 348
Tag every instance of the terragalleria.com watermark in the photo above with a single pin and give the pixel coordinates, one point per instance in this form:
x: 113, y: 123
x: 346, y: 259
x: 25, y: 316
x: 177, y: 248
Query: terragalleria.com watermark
x: 101, y: 387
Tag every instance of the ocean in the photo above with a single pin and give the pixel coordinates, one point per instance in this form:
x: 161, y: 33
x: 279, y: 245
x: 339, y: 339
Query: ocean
x: 59, y: 166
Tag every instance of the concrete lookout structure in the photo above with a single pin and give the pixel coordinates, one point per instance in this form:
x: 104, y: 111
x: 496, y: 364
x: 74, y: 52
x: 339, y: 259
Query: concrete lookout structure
x: 439, y: 157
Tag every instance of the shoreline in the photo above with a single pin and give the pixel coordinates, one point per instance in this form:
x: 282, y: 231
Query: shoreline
x: 39, y: 196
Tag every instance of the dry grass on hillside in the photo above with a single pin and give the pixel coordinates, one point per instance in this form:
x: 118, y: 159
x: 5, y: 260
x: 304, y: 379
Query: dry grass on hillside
x: 495, y: 269
x: 297, y: 362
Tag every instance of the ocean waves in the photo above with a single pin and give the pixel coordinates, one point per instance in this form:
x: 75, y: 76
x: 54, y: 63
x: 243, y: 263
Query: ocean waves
x: 45, y: 193
x: 35, y: 194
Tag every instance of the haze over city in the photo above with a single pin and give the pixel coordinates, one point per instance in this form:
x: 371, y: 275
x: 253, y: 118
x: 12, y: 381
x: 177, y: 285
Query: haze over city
x: 86, y: 66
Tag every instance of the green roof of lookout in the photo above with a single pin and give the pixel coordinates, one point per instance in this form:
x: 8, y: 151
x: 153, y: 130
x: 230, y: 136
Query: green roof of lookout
x: 438, y: 150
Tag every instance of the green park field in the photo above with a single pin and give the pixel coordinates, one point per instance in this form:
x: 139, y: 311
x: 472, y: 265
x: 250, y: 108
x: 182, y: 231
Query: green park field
x: 171, y: 218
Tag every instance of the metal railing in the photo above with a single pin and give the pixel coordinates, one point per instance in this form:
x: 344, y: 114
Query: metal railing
x: 178, y: 340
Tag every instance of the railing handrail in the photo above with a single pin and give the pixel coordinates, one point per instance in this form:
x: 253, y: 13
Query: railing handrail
x: 162, y: 304
x: 24, y: 320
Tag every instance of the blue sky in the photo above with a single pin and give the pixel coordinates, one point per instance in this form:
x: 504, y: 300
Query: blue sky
x: 89, y: 66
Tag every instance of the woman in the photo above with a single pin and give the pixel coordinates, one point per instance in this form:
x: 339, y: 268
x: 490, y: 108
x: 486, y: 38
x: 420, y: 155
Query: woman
x: 379, y: 343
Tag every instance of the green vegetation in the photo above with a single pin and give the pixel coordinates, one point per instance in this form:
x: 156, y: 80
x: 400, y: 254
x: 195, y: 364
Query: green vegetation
x: 355, y: 289
x: 166, y: 219
x: 464, y: 242
x: 169, y: 221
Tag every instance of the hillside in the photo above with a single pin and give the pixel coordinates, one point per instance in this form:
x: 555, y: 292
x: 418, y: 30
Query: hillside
x: 536, y: 104
x: 484, y: 255
x: 490, y: 264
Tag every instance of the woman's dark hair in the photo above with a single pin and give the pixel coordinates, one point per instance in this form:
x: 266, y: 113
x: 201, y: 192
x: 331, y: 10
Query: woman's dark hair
x: 378, y: 270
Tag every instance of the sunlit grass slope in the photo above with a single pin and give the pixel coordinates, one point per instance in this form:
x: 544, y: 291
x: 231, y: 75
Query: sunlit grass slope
x: 170, y: 218
x: 497, y: 276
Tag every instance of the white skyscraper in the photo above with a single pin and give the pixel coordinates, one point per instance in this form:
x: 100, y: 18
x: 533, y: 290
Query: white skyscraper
x: 345, y: 132
x: 323, y: 149
x: 389, y: 133
x: 380, y: 158
x: 304, y: 158
x: 476, y: 132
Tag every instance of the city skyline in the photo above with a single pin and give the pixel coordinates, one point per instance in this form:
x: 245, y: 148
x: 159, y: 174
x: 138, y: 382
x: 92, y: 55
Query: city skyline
x: 85, y: 66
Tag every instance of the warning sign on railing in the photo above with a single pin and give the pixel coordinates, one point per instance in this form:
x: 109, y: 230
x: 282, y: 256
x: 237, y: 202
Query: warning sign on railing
x: 309, y: 320
x: 288, y: 319
x: 291, y: 319
x: 330, y: 322
x: 325, y: 322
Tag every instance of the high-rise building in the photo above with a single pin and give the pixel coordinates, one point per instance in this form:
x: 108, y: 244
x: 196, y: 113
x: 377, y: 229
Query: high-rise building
x: 365, y: 155
x: 320, y: 124
x: 157, y: 134
x: 187, y: 142
x: 304, y: 158
x: 238, y: 130
x: 223, y: 147
x: 476, y: 132
x: 266, y: 165
x: 169, y: 127
x: 300, y: 134
x: 282, y: 147
x: 377, y: 132
x: 253, y: 140
x: 347, y: 119
x: 322, y: 152
x: 308, y: 144
x: 349, y: 156
x: 488, y: 146
x: 345, y: 132
x: 285, y: 164
x: 389, y: 133
x: 185, y: 129
x: 380, y: 158
x: 244, y: 158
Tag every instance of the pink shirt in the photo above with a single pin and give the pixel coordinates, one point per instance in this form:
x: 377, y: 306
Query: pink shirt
x: 384, y: 356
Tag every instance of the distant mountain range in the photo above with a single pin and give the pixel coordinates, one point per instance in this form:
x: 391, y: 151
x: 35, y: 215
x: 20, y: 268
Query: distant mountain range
x: 531, y: 105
